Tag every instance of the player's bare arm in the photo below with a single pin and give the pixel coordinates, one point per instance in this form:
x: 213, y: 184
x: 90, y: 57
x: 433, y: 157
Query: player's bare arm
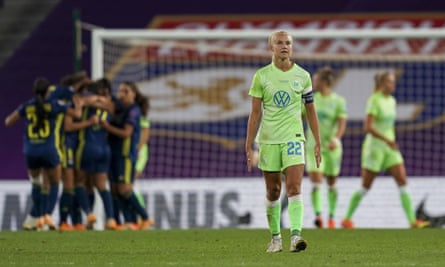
x: 341, y: 127
x: 252, y: 128
x: 313, y: 124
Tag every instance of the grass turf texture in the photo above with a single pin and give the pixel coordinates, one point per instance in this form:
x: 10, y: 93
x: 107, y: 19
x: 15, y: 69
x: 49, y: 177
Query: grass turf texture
x: 224, y: 247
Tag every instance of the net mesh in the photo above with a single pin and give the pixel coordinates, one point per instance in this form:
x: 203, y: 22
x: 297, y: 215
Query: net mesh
x: 200, y: 104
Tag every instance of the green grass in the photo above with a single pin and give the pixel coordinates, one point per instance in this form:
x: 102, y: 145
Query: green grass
x: 225, y: 247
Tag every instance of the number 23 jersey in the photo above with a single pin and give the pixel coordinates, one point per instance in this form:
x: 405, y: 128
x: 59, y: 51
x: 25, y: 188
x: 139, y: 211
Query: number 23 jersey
x: 37, y: 139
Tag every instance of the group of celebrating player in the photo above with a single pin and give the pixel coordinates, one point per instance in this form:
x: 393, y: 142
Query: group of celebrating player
x: 283, y: 93
x: 80, y: 132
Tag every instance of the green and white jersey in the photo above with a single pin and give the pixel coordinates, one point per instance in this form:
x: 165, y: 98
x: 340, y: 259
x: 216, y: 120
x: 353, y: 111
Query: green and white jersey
x: 383, y: 109
x: 329, y: 109
x: 282, y: 95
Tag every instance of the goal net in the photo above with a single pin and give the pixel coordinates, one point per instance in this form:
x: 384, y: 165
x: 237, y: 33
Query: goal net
x: 198, y: 83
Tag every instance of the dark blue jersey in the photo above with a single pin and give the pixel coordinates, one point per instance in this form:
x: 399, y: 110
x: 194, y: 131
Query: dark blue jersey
x: 61, y: 92
x: 71, y: 137
x: 118, y: 108
x: 95, y: 134
x: 93, y: 153
x: 45, y: 137
x: 126, y: 147
x: 70, y: 142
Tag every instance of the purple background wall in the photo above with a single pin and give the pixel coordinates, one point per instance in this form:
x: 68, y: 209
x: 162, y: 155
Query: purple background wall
x: 48, y: 51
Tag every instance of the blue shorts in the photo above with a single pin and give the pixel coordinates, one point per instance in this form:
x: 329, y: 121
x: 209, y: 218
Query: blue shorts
x: 122, y: 170
x: 69, y: 150
x: 43, y: 159
x: 68, y: 159
x: 95, y: 159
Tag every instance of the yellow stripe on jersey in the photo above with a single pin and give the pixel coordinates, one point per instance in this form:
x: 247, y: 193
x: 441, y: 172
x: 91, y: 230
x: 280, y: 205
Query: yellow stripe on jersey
x: 126, y: 147
x: 81, y: 144
x: 127, y: 170
x: 68, y: 157
x: 104, y: 115
x: 80, y: 148
x: 64, y: 158
x: 58, y: 138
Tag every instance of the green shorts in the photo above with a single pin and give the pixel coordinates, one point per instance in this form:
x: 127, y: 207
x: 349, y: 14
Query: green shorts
x: 378, y: 158
x: 330, y: 161
x: 277, y: 157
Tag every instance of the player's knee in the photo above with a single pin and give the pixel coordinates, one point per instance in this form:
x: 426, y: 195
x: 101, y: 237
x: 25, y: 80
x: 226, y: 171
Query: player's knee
x: 273, y: 193
x: 293, y: 189
x: 125, y: 190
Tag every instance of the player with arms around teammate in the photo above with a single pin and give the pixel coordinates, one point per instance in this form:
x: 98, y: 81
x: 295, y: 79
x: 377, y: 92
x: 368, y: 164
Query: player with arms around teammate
x: 380, y: 151
x: 70, y: 84
x: 279, y: 89
x: 124, y: 139
x: 93, y: 157
x: 331, y: 113
x: 40, y: 142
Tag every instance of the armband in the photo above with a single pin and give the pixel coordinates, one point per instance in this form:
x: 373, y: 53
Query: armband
x: 308, y: 97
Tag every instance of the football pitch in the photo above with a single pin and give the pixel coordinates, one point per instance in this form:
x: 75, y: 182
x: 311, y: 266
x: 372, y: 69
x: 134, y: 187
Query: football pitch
x: 222, y: 247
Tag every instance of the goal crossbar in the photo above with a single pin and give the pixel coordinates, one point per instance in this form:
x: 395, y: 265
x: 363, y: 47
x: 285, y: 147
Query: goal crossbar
x: 98, y: 35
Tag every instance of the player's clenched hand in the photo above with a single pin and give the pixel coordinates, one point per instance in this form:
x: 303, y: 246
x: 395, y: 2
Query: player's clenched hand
x: 333, y: 144
x: 94, y: 120
x: 104, y: 123
x: 393, y: 145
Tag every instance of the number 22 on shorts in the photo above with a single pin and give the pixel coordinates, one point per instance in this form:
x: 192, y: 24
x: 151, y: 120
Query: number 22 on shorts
x: 294, y: 148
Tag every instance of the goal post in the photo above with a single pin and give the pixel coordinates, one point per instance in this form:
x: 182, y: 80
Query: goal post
x: 198, y: 82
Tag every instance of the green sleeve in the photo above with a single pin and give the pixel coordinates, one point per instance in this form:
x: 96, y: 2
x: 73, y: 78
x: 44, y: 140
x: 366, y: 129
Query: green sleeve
x: 308, y: 83
x: 144, y: 122
x: 371, y: 107
x: 256, y: 90
x: 342, y: 110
